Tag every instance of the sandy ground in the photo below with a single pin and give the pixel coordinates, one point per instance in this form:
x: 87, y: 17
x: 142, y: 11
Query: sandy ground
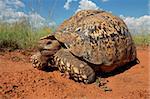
x: 18, y: 80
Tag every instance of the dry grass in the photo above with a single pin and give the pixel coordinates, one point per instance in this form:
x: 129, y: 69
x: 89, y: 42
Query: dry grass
x: 141, y: 39
x: 20, y: 35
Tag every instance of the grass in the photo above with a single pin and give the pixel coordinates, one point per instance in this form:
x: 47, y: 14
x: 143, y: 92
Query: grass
x: 20, y: 35
x: 141, y: 39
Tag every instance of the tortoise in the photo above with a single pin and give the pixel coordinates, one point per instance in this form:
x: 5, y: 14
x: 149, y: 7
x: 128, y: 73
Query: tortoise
x: 90, y: 41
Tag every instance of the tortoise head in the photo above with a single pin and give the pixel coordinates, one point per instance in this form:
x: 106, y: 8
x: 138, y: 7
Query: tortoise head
x: 48, y: 45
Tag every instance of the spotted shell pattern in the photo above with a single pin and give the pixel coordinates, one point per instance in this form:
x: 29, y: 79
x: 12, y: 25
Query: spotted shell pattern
x: 97, y: 37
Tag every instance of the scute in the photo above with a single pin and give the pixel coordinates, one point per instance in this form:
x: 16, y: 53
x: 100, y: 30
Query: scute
x: 97, y: 37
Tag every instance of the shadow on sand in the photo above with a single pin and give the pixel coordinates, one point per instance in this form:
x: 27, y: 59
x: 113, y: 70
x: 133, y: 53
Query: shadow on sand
x: 50, y: 69
x: 119, y: 70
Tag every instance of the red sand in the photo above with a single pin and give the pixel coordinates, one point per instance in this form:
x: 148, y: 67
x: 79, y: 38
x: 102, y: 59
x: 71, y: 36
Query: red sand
x: 19, y: 80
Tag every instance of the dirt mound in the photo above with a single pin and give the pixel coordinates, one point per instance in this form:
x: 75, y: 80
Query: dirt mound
x: 19, y: 80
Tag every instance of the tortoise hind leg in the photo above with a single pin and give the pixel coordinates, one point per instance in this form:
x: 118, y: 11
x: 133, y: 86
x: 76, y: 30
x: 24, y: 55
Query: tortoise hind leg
x: 77, y: 69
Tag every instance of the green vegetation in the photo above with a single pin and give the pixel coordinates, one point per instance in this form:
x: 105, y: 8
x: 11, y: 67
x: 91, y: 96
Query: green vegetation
x: 141, y: 39
x: 20, y: 35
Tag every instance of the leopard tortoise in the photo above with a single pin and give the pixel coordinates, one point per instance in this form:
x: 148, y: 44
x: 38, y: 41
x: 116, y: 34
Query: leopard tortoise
x: 90, y: 41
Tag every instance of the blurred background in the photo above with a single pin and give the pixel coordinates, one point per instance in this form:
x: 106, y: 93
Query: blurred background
x: 23, y: 22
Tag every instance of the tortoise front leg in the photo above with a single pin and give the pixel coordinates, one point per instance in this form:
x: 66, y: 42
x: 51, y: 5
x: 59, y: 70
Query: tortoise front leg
x: 39, y: 61
x: 77, y: 69
x: 47, y: 48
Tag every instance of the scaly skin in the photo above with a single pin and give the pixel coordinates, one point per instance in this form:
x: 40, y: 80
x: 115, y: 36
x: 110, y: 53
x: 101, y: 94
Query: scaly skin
x: 77, y: 69
x: 39, y: 61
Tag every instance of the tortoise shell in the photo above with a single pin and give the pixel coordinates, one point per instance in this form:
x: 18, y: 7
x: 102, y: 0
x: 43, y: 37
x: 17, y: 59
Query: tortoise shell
x: 97, y: 37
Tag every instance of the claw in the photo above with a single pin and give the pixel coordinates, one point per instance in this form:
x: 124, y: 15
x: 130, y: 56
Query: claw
x: 38, y: 62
